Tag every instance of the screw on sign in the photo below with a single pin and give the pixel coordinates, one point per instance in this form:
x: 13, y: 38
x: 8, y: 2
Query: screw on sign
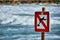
x: 42, y: 22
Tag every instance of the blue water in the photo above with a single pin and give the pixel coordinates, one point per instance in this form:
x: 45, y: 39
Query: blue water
x: 17, y: 22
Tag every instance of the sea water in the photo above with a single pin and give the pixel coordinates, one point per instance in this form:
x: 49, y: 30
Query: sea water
x: 17, y: 22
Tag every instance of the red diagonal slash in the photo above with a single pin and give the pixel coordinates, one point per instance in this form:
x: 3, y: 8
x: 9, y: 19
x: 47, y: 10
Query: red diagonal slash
x: 45, y: 26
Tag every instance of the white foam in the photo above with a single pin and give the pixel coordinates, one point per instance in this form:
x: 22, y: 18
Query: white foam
x: 11, y: 29
x: 52, y: 36
x: 8, y: 18
x: 52, y: 21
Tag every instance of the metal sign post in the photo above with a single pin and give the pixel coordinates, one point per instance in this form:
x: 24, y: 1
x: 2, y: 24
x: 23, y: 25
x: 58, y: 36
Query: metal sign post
x: 42, y: 20
x: 43, y: 34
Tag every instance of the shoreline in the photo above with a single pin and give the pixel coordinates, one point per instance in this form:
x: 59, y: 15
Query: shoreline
x: 32, y: 4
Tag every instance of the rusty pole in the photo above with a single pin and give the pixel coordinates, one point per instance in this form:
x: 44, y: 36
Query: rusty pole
x: 43, y: 34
